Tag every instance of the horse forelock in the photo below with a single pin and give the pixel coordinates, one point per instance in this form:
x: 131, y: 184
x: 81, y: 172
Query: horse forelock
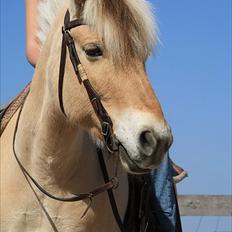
x: 128, y: 28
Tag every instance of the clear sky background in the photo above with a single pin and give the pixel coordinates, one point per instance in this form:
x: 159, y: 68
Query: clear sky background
x: 191, y: 74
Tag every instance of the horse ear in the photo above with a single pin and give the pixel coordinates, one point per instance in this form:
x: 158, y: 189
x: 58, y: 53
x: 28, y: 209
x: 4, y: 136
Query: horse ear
x: 76, y: 8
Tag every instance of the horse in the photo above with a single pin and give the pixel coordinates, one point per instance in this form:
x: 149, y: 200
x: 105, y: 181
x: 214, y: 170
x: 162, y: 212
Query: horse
x: 57, y: 145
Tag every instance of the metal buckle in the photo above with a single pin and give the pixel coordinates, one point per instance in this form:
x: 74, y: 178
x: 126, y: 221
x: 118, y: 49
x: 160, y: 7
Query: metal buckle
x: 105, y: 128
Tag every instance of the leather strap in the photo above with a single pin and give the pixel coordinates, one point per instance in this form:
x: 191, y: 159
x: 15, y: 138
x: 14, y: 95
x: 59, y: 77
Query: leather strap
x: 71, y: 24
x: 110, y: 192
x: 61, y: 75
x: 65, y: 40
x: 105, y: 120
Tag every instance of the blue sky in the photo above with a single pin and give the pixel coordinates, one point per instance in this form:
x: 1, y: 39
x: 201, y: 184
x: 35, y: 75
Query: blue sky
x: 191, y: 74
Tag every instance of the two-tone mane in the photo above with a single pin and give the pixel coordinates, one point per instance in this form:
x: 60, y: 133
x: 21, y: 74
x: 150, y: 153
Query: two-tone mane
x: 128, y: 28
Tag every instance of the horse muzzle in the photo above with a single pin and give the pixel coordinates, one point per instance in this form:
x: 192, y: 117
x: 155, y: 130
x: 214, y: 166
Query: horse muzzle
x: 143, y: 143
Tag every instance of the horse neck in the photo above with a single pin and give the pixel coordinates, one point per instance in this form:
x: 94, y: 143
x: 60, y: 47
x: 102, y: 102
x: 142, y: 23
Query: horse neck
x: 57, y: 153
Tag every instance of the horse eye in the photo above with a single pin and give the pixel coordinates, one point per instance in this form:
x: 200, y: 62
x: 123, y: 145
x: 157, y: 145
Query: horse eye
x: 94, y: 52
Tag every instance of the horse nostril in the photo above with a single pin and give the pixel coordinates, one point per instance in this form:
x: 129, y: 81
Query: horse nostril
x: 148, y: 142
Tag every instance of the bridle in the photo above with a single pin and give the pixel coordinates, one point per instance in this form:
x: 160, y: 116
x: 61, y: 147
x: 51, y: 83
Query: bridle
x: 100, y: 111
x: 110, y: 140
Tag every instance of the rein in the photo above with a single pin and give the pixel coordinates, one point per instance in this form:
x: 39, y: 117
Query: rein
x: 110, y: 140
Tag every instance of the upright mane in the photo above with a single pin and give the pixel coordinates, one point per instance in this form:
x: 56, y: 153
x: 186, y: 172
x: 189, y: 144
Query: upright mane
x: 128, y: 28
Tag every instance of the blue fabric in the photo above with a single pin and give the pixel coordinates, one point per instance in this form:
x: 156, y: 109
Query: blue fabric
x: 164, y: 198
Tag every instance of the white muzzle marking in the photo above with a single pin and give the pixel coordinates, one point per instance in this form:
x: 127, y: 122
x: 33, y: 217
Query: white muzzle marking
x: 145, y: 138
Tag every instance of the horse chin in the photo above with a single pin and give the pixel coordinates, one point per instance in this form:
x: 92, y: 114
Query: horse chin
x: 130, y: 166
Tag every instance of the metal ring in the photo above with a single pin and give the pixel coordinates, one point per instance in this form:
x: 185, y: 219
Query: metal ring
x: 107, y: 127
